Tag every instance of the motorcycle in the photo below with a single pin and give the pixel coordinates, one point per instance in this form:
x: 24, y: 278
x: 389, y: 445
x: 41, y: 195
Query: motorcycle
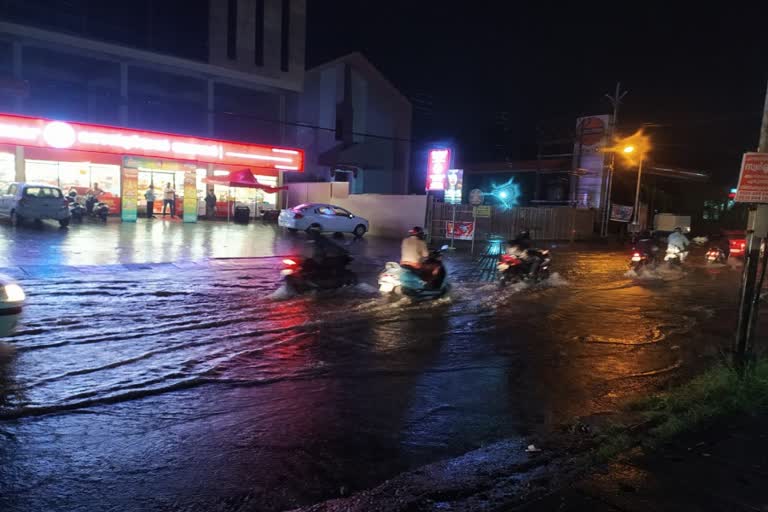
x: 304, y: 274
x: 638, y: 261
x: 675, y: 256
x: 512, y: 269
x: 715, y: 255
x: 76, y: 210
x: 399, y: 280
x: 96, y: 208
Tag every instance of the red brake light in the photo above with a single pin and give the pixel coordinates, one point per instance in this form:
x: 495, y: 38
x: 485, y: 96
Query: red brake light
x: 289, y: 263
x: 297, y: 215
x: 636, y: 255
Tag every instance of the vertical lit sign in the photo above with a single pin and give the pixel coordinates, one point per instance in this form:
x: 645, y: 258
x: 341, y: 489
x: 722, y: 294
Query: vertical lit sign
x: 437, y: 168
x: 453, y: 188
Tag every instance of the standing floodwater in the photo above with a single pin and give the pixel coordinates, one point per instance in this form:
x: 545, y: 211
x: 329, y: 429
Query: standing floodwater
x: 176, y: 387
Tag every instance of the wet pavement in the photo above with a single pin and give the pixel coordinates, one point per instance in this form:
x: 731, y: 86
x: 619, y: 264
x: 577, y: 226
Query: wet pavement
x: 198, y: 384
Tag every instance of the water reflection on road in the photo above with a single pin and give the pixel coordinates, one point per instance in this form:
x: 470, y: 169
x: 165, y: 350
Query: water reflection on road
x: 172, y: 389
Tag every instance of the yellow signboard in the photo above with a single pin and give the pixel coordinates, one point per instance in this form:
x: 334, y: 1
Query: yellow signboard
x: 482, y: 211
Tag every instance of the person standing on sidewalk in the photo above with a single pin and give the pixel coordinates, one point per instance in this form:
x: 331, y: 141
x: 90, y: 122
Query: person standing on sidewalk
x: 169, y: 199
x: 210, y: 205
x: 149, y: 195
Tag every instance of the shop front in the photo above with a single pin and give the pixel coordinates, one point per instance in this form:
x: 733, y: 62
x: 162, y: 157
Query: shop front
x: 123, y: 164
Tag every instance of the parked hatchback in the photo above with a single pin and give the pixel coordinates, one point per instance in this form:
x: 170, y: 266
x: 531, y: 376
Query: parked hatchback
x: 27, y: 201
x: 326, y: 217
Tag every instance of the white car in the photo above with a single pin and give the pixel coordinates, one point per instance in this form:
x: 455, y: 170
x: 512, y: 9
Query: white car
x: 327, y: 217
x: 11, y: 300
x: 28, y: 201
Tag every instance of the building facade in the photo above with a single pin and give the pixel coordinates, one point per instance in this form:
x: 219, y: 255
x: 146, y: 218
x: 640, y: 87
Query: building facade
x: 227, y: 70
x: 358, y: 127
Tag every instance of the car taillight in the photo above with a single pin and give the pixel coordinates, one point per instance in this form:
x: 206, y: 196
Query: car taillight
x: 636, y: 255
x: 289, y: 262
x: 297, y: 215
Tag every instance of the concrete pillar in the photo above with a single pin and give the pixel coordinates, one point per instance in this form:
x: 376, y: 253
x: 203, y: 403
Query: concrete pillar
x: 123, y: 108
x: 211, y: 105
x: 297, y: 37
x: 20, y: 164
x: 282, y: 120
x: 18, y: 74
x: 272, y: 29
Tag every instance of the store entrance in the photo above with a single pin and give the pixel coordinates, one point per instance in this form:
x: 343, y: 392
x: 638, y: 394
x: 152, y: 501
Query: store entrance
x: 160, y: 180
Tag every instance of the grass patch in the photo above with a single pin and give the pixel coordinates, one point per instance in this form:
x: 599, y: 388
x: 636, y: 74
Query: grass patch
x: 715, y: 394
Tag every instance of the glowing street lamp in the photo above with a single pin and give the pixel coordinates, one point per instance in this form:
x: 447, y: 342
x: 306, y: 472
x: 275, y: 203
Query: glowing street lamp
x: 634, y: 148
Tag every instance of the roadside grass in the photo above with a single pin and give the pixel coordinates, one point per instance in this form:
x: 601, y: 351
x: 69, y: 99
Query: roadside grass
x: 715, y: 394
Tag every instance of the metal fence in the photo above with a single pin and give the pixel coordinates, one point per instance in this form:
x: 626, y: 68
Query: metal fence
x: 544, y: 223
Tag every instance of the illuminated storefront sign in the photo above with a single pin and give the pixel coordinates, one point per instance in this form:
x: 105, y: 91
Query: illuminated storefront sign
x: 44, y: 133
x: 438, y: 161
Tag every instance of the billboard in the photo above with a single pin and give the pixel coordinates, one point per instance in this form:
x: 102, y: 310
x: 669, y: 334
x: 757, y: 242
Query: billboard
x: 753, y: 179
x: 438, y: 162
x: 454, y: 185
x: 621, y: 213
x: 589, y: 159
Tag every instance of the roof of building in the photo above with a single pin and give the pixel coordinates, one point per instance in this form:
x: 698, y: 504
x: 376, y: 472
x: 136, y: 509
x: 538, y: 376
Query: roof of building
x: 359, y: 60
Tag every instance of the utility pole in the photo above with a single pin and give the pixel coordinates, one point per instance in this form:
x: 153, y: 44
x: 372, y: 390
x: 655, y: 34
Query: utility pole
x: 749, y: 295
x: 616, y: 102
x: 637, y: 194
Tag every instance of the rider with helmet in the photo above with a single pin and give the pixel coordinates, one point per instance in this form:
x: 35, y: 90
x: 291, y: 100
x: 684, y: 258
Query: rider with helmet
x: 520, y: 247
x: 414, y: 255
x: 413, y: 250
x: 326, y: 254
x: 679, y: 240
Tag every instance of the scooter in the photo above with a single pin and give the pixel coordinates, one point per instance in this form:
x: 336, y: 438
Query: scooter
x: 715, y: 255
x: 304, y: 274
x: 96, y: 208
x: 638, y: 261
x: 76, y: 210
x: 512, y: 269
x: 675, y: 256
x: 399, y: 280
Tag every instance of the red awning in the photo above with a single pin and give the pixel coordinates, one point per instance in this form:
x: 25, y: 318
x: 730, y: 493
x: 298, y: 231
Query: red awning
x: 242, y: 179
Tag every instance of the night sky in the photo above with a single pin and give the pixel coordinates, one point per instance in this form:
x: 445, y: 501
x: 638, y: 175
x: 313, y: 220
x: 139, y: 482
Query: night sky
x: 699, y: 74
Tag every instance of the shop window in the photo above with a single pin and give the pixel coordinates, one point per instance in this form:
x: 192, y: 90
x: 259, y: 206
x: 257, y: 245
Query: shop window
x: 257, y: 200
x: 77, y: 176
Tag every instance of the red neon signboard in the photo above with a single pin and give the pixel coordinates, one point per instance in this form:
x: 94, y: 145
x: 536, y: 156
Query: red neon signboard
x: 438, y: 162
x: 46, y: 133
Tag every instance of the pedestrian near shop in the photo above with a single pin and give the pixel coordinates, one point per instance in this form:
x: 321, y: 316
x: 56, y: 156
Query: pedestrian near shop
x: 149, y: 195
x: 169, y: 199
x: 210, y: 205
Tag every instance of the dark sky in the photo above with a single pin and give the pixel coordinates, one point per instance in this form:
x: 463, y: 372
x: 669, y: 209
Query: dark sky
x: 699, y: 73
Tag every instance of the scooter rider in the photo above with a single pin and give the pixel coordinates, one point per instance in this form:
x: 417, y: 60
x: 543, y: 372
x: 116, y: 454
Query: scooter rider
x: 414, y: 255
x: 679, y: 240
x: 326, y: 254
x: 520, y: 247
x: 648, y: 245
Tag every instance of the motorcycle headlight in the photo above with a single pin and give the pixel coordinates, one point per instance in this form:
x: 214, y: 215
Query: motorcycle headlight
x: 14, y: 293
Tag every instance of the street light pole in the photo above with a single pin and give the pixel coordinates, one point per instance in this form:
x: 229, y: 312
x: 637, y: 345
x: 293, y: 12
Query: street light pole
x: 637, y: 192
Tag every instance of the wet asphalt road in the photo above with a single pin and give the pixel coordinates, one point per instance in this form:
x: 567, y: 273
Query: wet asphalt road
x: 193, y: 385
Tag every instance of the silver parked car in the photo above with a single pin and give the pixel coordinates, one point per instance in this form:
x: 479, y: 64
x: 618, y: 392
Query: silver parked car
x: 326, y: 217
x: 28, y: 201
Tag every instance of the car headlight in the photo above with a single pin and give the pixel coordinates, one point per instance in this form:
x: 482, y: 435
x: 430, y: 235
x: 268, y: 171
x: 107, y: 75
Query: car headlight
x: 14, y: 293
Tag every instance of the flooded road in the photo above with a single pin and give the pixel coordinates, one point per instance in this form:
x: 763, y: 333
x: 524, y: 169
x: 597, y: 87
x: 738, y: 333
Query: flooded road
x: 185, y: 387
